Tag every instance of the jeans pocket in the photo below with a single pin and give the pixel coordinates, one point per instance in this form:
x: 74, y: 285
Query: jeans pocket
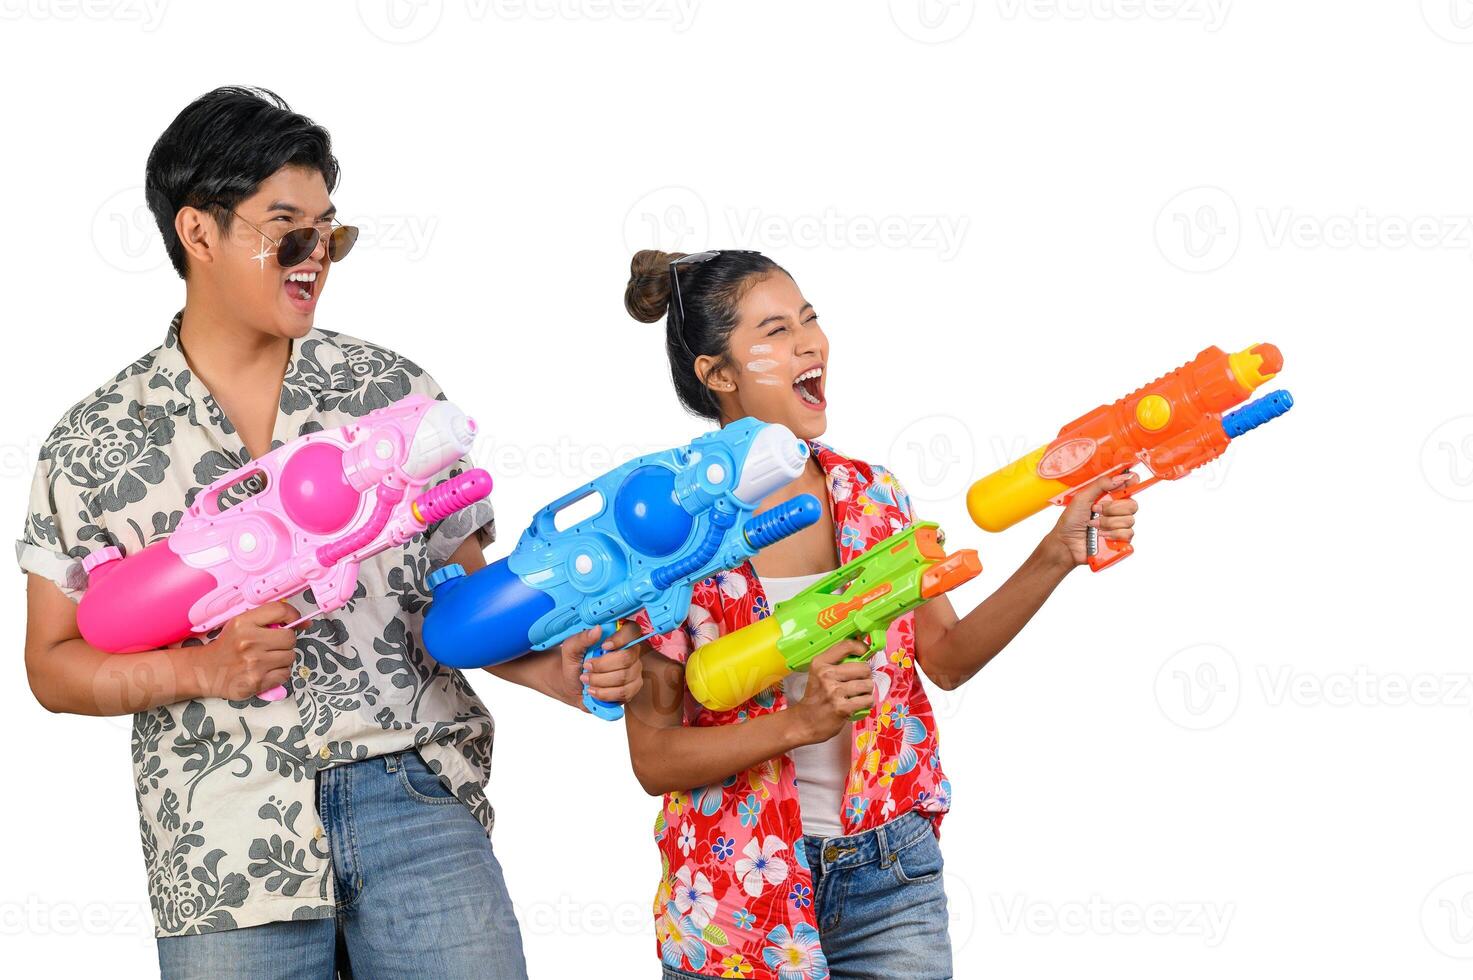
x: 918, y: 862
x: 422, y: 785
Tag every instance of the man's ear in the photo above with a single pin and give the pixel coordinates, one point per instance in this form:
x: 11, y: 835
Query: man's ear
x: 198, y: 235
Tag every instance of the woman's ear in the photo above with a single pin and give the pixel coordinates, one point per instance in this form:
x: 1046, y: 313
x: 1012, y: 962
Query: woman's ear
x: 716, y: 375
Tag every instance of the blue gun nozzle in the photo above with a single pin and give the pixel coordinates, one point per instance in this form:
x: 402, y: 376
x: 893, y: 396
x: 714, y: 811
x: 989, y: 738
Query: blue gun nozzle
x: 1254, y: 414
x: 788, y: 517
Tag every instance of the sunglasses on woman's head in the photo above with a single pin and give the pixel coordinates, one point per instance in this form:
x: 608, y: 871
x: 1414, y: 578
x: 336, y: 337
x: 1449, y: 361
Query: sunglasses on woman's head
x: 696, y: 258
x: 295, y: 246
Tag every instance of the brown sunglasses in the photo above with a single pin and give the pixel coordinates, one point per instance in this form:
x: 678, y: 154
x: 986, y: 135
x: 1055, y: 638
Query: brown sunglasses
x: 295, y: 246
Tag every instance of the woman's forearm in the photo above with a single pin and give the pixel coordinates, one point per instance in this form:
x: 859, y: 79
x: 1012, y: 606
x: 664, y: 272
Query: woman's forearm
x: 952, y: 650
x: 669, y: 759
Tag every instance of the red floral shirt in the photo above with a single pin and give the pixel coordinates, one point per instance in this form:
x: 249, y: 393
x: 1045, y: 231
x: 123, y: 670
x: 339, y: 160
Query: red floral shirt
x: 735, y: 896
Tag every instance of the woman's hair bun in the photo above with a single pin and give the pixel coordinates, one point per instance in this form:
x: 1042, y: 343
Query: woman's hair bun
x: 647, y: 296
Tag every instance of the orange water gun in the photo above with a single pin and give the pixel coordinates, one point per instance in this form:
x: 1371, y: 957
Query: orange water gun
x: 1172, y: 426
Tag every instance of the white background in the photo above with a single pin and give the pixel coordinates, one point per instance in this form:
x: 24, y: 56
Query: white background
x: 1239, y: 753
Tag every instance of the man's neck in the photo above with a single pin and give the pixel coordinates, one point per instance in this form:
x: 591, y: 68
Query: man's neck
x: 223, y: 351
x: 240, y: 366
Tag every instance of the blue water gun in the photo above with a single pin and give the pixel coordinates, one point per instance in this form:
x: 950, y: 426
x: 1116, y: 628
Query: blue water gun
x: 664, y: 522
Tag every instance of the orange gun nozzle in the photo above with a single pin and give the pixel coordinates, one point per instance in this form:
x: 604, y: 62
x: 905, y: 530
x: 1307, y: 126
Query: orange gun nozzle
x: 1273, y: 361
x: 960, y: 567
x: 928, y: 544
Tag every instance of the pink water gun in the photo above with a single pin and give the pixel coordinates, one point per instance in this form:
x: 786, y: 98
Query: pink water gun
x: 331, y: 500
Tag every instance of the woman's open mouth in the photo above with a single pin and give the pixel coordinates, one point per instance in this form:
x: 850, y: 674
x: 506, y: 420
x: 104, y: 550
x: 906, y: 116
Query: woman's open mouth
x: 809, y: 389
x: 301, y: 290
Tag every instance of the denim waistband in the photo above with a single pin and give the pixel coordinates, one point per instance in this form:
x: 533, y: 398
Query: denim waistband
x: 879, y: 844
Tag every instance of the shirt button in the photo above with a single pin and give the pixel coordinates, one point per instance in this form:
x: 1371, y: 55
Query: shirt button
x: 317, y: 834
x: 325, y: 752
x: 303, y: 673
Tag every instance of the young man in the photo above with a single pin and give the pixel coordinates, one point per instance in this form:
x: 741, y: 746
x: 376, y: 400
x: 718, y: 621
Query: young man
x: 346, y: 825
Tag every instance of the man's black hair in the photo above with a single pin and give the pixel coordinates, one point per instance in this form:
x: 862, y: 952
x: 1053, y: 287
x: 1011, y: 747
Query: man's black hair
x: 217, y: 152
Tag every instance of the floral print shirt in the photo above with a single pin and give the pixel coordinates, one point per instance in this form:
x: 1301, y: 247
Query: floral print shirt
x: 226, y: 789
x: 735, y: 896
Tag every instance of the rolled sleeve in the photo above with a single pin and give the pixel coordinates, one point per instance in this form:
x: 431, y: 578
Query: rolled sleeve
x: 49, y: 546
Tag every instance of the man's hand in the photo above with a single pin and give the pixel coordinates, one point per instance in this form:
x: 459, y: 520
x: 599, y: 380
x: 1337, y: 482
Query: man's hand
x: 614, y: 677
x: 253, y: 653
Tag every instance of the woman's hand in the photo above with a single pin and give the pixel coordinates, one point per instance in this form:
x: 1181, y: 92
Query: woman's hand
x: 835, y: 691
x: 614, y: 677
x: 1114, y: 518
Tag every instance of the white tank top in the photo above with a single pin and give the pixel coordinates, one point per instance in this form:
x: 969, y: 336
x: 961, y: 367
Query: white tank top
x: 823, y: 769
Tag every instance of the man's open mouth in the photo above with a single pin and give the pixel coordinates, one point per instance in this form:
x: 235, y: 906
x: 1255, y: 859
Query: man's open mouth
x: 301, y: 286
x: 809, y: 387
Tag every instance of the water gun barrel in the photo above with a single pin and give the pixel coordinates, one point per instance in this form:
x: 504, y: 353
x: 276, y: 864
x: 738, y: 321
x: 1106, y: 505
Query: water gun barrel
x: 726, y: 672
x: 776, y: 523
x: 154, y: 579
x: 1252, y: 415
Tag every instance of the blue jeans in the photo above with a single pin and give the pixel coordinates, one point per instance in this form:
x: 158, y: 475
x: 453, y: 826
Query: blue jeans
x: 419, y: 892
x: 879, y: 902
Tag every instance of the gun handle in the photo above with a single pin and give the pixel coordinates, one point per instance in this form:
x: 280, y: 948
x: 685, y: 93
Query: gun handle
x: 876, y: 648
x: 1102, y: 551
x: 603, y: 709
x: 1101, y: 558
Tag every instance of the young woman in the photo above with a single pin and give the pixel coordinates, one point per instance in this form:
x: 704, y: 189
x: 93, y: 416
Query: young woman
x: 796, y: 843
